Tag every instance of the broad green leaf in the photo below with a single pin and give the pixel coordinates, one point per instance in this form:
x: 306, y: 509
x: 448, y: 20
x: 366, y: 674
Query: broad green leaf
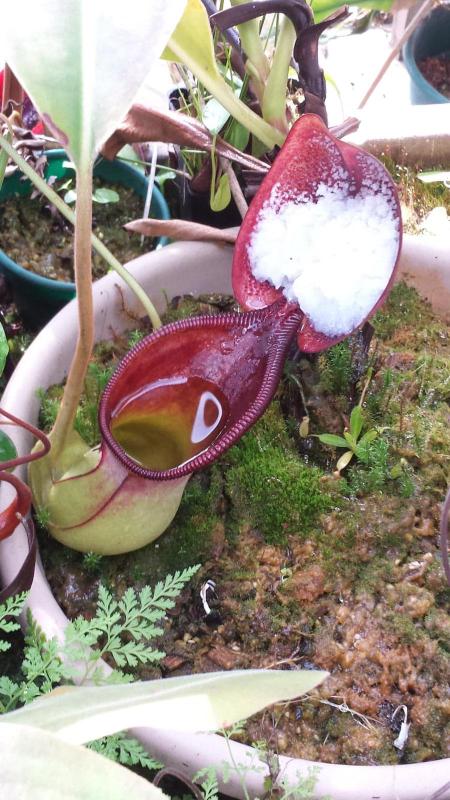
x: 164, y: 175
x: 7, y: 448
x: 368, y: 437
x: 70, y: 197
x: 37, y: 765
x: 323, y: 8
x: 356, y: 422
x: 193, y: 703
x: 192, y: 44
x: 237, y: 135
x: 105, y: 195
x: 220, y: 191
x: 214, y: 116
x: 82, y: 62
x: 4, y: 349
x: 350, y: 440
x: 221, y: 195
x: 344, y: 460
x: 334, y: 441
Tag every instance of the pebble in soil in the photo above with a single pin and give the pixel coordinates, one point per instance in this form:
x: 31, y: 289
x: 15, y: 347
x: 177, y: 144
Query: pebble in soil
x: 314, y: 570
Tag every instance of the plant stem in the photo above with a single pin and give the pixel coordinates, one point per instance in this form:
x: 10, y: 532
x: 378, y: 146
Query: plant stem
x: 236, y: 191
x: 85, y: 342
x: 274, y: 100
x: 252, y: 46
x: 98, y: 245
x: 224, y: 95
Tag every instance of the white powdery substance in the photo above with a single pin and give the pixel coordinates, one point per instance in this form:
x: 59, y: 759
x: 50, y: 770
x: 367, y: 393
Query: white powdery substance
x: 334, y: 256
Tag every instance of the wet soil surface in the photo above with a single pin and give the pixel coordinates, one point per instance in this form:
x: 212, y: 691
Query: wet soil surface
x: 436, y: 70
x: 315, y: 569
x: 38, y: 238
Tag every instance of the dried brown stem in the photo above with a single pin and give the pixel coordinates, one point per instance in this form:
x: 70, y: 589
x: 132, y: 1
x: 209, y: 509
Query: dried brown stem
x: 236, y: 191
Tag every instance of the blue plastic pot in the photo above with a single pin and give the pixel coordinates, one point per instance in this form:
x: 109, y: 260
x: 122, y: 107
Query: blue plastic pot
x: 431, y: 38
x: 37, y: 298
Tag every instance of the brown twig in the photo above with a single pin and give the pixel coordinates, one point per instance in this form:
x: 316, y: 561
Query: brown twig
x: 236, y: 191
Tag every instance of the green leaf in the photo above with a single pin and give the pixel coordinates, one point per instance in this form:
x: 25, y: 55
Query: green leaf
x: 214, y: 116
x: 350, y: 440
x: 70, y: 197
x: 331, y: 439
x: 368, y: 437
x: 7, y: 447
x: 12, y: 607
x: 221, y: 195
x: 237, y: 135
x: 82, y: 67
x: 192, y: 703
x: 105, y: 195
x: 38, y: 765
x: 4, y: 349
x: 164, y: 175
x: 344, y: 460
x: 192, y: 44
x: 125, y: 750
x: 356, y: 422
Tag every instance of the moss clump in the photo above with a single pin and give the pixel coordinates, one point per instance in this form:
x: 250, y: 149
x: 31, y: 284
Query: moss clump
x: 86, y: 421
x: 417, y: 198
x: 270, y: 486
x: 404, y: 309
x: 336, y: 368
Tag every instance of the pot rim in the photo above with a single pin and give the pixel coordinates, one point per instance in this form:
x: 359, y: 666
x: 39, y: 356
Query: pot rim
x: 410, y: 62
x: 196, y: 268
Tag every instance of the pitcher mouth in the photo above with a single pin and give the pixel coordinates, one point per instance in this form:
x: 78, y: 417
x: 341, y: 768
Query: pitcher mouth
x: 219, y: 419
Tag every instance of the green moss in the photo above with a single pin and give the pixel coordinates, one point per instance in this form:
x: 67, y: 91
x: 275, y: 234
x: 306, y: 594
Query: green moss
x: 433, y: 375
x: 338, y: 549
x: 417, y: 198
x: 374, y: 575
x: 402, y: 626
x: 270, y: 486
x: 403, y: 309
x: 336, y: 368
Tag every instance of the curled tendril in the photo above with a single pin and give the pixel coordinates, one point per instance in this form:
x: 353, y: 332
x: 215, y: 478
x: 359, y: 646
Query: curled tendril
x: 445, y: 516
x: 19, y: 508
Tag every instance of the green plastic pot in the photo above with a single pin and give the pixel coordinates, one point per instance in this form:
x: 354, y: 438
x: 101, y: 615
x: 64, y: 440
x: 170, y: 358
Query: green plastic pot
x: 431, y: 38
x: 37, y: 298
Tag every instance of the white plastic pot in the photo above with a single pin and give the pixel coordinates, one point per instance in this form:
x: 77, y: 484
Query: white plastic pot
x: 199, y: 268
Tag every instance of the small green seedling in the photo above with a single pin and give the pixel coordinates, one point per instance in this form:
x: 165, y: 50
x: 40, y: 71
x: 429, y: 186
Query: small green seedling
x: 351, y: 440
